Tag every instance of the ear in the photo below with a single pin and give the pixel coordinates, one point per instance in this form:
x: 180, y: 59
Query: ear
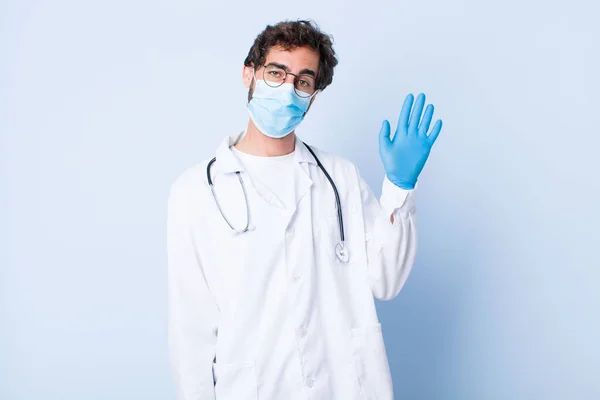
x: 247, y: 75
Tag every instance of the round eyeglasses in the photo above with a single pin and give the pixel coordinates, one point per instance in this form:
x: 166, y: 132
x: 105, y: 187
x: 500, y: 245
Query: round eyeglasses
x: 304, y: 85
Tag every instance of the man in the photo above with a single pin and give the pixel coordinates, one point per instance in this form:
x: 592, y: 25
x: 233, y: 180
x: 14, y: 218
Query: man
x: 270, y: 291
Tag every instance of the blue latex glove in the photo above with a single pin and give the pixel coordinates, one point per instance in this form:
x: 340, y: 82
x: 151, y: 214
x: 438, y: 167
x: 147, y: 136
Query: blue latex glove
x: 405, y: 154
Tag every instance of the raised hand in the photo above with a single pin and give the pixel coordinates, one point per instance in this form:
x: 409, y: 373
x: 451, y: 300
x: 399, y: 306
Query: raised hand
x: 405, y: 154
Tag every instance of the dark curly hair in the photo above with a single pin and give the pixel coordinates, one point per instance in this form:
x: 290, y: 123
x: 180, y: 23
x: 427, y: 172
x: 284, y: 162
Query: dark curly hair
x: 290, y: 35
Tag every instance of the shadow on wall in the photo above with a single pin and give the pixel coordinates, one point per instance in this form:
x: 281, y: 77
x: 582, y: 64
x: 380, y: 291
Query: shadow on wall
x: 421, y: 325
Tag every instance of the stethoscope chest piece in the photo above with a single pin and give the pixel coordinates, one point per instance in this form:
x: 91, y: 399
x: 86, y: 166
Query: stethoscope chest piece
x: 341, y: 252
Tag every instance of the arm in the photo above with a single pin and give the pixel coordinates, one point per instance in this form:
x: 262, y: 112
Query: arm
x: 192, y: 310
x: 391, y: 237
x: 390, y: 227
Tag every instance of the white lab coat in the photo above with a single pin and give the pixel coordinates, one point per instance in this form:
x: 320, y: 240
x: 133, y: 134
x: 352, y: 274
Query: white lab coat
x: 271, y: 313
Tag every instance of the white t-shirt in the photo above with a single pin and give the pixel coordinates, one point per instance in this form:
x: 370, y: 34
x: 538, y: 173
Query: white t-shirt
x: 276, y: 173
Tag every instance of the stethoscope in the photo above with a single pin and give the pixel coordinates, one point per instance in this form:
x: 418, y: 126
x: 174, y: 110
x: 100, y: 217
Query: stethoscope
x: 341, y: 251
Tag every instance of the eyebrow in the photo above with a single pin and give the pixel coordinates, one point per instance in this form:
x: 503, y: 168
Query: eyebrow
x: 305, y: 71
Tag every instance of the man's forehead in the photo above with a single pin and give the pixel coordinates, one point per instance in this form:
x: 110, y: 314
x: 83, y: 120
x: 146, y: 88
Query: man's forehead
x: 299, y: 57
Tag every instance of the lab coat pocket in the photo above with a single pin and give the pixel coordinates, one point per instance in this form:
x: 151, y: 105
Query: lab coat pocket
x: 371, y: 363
x: 235, y: 381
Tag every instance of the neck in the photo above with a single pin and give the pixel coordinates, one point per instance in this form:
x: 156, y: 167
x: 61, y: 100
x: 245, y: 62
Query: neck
x: 258, y: 144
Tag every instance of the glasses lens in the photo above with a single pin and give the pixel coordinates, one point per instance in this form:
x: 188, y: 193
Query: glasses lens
x: 305, y: 85
x: 273, y: 76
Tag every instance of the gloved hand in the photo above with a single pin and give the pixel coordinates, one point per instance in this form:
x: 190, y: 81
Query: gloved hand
x: 404, y: 155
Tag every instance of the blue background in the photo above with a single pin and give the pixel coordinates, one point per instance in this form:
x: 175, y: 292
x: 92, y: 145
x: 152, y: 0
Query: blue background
x: 104, y: 103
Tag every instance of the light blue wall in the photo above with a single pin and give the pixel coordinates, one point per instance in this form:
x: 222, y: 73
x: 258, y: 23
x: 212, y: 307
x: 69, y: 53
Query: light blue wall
x: 104, y: 103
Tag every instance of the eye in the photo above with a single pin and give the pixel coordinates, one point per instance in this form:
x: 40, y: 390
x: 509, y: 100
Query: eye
x: 306, y: 82
x: 275, y: 74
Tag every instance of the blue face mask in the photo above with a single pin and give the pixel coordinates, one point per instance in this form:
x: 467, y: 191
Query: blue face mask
x: 276, y: 111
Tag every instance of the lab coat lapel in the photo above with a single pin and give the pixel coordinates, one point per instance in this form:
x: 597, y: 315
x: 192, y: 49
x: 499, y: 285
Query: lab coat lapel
x: 302, y: 179
x: 301, y: 170
x: 302, y: 182
x: 228, y: 163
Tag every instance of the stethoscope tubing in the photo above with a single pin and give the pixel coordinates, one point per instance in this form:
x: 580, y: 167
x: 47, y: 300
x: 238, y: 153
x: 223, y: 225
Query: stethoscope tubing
x: 341, y: 251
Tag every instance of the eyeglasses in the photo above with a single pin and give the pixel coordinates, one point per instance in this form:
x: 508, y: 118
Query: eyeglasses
x: 304, y: 85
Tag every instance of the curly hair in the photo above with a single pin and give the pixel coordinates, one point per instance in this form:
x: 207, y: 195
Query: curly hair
x: 290, y: 35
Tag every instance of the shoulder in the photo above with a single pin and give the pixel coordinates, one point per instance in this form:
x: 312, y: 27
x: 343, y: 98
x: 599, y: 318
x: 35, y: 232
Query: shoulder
x: 335, y: 162
x: 190, y: 180
x: 341, y: 169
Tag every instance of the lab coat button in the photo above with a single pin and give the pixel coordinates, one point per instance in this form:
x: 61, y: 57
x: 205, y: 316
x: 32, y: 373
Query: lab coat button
x: 295, y: 278
x: 310, y: 382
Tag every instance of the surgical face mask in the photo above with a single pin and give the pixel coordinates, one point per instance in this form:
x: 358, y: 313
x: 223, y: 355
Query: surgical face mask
x: 276, y: 111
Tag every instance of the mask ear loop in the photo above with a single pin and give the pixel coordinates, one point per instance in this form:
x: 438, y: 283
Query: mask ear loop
x: 312, y: 96
x: 253, y: 80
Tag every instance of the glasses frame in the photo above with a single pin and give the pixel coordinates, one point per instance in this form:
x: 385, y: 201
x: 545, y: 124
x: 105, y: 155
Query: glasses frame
x: 285, y: 77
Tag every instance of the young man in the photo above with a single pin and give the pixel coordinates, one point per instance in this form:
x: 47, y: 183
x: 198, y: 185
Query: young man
x: 271, y: 285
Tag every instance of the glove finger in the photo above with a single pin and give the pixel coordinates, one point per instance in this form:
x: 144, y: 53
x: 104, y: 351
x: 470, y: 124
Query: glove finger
x: 405, y: 113
x: 424, y: 127
x: 415, y: 117
x: 435, y: 132
x: 384, y: 135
